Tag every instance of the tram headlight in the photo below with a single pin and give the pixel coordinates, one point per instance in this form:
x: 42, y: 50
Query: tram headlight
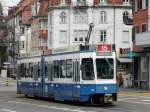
x: 105, y: 88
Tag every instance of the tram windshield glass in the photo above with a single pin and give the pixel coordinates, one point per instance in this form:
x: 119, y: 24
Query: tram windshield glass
x: 87, y: 69
x: 105, y: 68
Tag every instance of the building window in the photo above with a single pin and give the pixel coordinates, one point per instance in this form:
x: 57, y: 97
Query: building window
x: 43, y: 24
x: 43, y: 42
x: 103, y: 1
x: 144, y: 28
x: 137, y: 29
x: 63, y: 36
x: 135, y: 5
x: 126, y: 1
x: 144, y: 4
x: 125, y: 14
x: 50, y: 38
x: 80, y: 35
x: 125, y: 37
x: 102, y: 17
x: 22, y: 30
x: 81, y: 2
x: 63, y: 18
x: 50, y: 18
x: 102, y: 36
x: 62, y: 2
x: 139, y: 5
x: 80, y: 16
x: 22, y: 45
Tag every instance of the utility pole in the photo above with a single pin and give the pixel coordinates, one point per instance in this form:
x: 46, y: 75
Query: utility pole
x: 89, y: 34
x: 114, y: 27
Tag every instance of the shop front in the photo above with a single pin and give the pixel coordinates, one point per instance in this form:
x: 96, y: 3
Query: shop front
x: 125, y: 67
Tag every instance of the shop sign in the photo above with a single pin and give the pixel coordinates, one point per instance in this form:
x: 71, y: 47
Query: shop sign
x: 124, y: 50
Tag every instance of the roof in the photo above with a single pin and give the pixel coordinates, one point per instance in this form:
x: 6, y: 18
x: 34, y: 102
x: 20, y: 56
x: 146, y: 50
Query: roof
x: 43, y: 11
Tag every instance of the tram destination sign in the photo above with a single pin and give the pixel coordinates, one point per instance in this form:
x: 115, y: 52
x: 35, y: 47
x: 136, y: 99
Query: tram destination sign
x: 103, y: 49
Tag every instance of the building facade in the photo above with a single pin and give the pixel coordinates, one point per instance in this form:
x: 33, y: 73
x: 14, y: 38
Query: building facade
x: 141, y: 22
x: 69, y: 22
x: 39, y: 29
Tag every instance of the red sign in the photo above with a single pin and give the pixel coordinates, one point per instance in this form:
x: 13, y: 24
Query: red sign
x: 104, y: 48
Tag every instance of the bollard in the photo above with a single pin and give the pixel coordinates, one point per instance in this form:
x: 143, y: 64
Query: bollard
x: 6, y: 82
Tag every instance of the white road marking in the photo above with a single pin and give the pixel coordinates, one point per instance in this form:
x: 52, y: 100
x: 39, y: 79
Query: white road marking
x: 146, y: 100
x: 49, y: 107
x: 137, y: 102
x: 8, y: 110
x: 135, y: 98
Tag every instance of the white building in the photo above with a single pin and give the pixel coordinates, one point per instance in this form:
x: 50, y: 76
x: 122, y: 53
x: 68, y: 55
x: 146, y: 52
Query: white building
x: 69, y: 23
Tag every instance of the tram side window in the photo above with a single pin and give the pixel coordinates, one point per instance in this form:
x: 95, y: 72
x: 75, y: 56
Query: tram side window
x: 50, y: 71
x: 19, y: 72
x: 46, y: 69
x: 22, y: 70
x: 39, y: 69
x: 76, y: 72
x: 35, y: 71
x: 56, y: 69
x: 27, y: 70
x: 30, y: 70
x: 87, y: 69
x: 69, y: 69
x: 62, y: 68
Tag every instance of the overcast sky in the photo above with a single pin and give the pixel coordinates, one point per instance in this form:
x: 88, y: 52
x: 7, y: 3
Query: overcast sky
x: 8, y: 3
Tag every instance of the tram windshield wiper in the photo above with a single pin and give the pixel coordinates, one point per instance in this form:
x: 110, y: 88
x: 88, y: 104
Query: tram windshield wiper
x: 109, y: 63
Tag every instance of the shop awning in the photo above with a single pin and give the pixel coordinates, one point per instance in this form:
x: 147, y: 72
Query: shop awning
x: 125, y: 60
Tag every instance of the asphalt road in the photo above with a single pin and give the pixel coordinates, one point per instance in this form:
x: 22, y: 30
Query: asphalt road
x: 128, y: 102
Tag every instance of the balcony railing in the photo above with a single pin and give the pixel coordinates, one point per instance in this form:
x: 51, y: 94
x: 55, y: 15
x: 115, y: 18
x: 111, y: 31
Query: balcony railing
x: 143, y: 39
x: 80, y: 3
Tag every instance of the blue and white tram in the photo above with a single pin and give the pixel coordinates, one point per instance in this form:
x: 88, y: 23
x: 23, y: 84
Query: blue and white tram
x: 28, y: 76
x: 76, y: 76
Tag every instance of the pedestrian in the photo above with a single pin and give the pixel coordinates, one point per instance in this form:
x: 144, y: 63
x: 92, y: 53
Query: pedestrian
x: 120, y: 80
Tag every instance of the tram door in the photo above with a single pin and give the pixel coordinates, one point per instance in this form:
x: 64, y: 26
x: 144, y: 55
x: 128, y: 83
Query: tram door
x: 42, y: 76
x: 76, y: 79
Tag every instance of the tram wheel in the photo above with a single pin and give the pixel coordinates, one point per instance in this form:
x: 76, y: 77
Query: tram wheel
x: 97, y: 99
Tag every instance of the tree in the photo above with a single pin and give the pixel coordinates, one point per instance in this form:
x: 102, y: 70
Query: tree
x: 2, y: 37
x: 1, y: 9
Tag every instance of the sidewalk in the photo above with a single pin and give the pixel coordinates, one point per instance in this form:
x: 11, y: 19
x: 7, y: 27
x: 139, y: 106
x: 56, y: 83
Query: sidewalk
x: 5, y: 81
x: 124, y: 90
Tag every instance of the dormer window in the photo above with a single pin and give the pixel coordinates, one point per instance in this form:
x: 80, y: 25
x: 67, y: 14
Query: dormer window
x: 103, y: 1
x: 81, y: 2
x: 125, y: 1
x: 62, y: 2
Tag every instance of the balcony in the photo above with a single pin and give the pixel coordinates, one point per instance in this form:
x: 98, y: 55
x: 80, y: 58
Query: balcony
x: 43, y: 33
x: 143, y: 39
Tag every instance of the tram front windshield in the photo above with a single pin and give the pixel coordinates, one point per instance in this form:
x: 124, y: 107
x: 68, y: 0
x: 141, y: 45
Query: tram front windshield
x: 105, y: 68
